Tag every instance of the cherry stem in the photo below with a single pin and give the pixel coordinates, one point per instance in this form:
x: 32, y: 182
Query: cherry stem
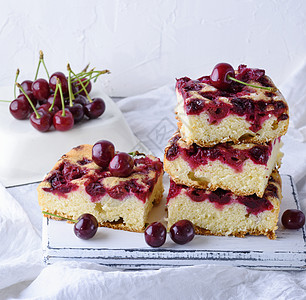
x: 41, y: 60
x: 58, y: 83
x: 83, y: 87
x: 63, y: 218
x: 270, y: 89
x: 41, y: 54
x: 55, y: 93
x: 5, y: 101
x: 16, y: 77
x: 71, y: 95
x: 136, y: 153
x: 29, y: 100
x: 85, y: 69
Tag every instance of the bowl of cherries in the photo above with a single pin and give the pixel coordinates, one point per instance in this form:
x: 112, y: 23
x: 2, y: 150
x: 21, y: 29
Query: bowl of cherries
x: 59, y: 101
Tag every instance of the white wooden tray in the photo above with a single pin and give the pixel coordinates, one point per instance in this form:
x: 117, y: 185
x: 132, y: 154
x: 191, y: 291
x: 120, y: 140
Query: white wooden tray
x: 128, y: 250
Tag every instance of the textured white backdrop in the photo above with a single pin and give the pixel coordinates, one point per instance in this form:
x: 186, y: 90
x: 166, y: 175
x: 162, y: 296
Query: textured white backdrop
x: 146, y: 44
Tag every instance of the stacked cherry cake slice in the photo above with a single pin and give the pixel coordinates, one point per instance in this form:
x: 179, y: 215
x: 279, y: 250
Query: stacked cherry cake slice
x: 223, y: 161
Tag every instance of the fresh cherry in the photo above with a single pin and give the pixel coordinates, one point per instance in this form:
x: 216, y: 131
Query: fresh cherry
x: 293, y: 219
x: 41, y: 89
x: 27, y: 85
x: 182, y: 232
x: 95, y: 108
x: 20, y: 108
x: 77, y: 111
x: 86, y: 227
x: 102, y: 153
x: 63, y: 80
x: 63, y: 121
x: 219, y: 77
x: 155, y: 234
x: 43, y: 122
x: 57, y: 101
x: 31, y: 96
x: 46, y: 108
x: 121, y: 165
x: 87, y: 85
x: 80, y: 99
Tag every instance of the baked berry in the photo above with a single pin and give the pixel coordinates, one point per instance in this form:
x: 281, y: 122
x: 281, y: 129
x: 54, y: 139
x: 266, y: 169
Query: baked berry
x: 182, y: 232
x: 121, y: 165
x: 293, y: 219
x: 86, y: 227
x: 155, y: 234
x: 102, y: 153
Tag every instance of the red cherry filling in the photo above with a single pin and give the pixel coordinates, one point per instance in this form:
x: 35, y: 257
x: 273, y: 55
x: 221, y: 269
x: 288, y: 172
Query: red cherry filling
x: 254, y: 205
x: 196, y: 155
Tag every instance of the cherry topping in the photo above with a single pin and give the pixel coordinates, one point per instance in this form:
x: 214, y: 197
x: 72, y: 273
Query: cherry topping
x: 20, y: 108
x: 63, y: 122
x: 86, y: 227
x: 293, y: 219
x: 102, y: 153
x: 121, y: 165
x: 155, y: 234
x: 43, y: 122
x: 95, y: 108
x: 40, y: 89
x: 219, y: 76
x: 182, y: 232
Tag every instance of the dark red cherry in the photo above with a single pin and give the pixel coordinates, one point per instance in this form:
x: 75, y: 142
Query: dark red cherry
x: 182, y: 232
x: 293, y: 219
x: 20, y: 108
x: 31, y: 96
x: 43, y: 123
x: 77, y: 111
x: 86, y: 227
x: 80, y: 99
x: 87, y: 86
x: 41, y: 89
x: 102, y: 153
x: 63, y: 123
x: 219, y: 76
x: 27, y: 85
x: 95, y: 108
x: 155, y: 234
x: 121, y: 165
x: 46, y: 108
x: 62, y: 78
x: 57, y: 100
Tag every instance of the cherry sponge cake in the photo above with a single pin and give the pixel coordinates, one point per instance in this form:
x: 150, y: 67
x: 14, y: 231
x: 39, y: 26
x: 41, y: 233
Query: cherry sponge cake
x: 221, y: 212
x: 207, y: 115
x: 77, y: 185
x: 243, y: 169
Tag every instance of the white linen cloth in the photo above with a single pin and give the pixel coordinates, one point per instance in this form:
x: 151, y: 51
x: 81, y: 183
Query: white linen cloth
x: 151, y: 117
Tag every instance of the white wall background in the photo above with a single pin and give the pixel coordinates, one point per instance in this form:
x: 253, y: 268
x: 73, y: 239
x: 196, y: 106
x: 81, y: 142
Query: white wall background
x: 147, y: 44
